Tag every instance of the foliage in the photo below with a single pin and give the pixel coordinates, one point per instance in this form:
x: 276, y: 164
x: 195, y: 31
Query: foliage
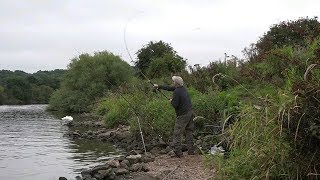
x: 115, y: 109
x: 158, y: 59
x: 258, y: 146
x: 87, y: 79
x: 157, y: 120
x: 23, y: 88
x: 287, y: 33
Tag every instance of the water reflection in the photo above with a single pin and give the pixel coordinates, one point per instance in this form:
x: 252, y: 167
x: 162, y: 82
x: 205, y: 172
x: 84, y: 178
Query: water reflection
x: 33, y: 146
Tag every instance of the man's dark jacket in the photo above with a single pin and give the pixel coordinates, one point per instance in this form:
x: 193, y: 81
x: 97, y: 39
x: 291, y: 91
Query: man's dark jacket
x: 180, y: 100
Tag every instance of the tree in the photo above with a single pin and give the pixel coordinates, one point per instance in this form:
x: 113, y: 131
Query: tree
x: 289, y: 33
x: 159, y: 58
x: 87, y: 79
x: 20, y: 89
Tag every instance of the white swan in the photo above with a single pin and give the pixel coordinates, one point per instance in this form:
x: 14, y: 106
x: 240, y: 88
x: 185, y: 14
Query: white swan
x: 67, y: 118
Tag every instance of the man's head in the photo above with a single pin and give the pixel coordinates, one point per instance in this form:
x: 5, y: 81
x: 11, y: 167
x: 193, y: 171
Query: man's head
x: 177, y: 80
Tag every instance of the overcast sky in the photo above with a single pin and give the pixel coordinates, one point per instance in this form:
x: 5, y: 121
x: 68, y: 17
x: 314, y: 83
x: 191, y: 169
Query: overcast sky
x: 46, y: 34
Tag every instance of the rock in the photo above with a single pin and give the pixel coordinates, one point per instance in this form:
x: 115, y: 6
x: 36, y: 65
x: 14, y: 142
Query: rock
x: 133, y: 152
x: 155, y: 150
x: 134, y: 158
x: 125, y: 161
x: 76, y: 134
x: 113, y: 163
x: 98, y: 176
x: 144, y: 167
x: 86, y: 173
x: 100, y: 167
x: 121, y: 171
x: 62, y: 178
x: 122, y: 135
x: 136, y: 167
x: 112, y: 175
x: 78, y: 178
x: 90, y: 133
x: 148, y: 157
x: 124, y: 165
x: 161, y: 142
x: 105, y: 135
x: 105, y: 172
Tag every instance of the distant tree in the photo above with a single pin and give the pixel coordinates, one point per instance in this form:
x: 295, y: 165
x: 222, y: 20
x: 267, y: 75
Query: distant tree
x: 87, y: 80
x: 41, y: 94
x: 20, y: 89
x: 157, y: 58
x: 2, y: 95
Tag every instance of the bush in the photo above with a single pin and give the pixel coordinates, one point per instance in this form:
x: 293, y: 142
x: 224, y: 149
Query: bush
x: 116, y: 110
x: 258, y: 148
x: 87, y: 79
x: 157, y: 119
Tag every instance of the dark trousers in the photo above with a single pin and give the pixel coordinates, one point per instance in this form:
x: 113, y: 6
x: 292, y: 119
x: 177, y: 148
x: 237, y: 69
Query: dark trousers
x: 184, y: 123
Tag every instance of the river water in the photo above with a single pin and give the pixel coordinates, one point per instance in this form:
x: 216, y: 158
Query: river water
x: 33, y: 146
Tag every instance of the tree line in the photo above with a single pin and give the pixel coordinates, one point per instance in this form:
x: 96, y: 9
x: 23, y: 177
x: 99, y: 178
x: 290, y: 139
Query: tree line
x: 19, y: 87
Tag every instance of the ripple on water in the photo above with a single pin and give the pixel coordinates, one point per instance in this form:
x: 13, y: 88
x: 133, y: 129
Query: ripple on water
x: 32, y: 146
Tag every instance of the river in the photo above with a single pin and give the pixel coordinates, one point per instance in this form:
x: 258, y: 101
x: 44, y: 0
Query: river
x: 33, y: 146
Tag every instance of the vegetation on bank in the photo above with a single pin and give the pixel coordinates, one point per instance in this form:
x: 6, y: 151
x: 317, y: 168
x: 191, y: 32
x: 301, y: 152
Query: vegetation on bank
x: 18, y: 87
x: 266, y: 105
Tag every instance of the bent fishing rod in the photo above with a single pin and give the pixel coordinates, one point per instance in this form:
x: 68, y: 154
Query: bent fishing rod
x: 127, y: 49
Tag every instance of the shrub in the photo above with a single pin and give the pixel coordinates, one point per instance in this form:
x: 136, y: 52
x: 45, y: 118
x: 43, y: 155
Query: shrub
x: 157, y: 118
x: 258, y: 147
x: 87, y: 79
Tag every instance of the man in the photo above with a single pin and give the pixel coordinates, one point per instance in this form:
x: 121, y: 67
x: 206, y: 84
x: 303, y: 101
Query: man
x: 184, y: 122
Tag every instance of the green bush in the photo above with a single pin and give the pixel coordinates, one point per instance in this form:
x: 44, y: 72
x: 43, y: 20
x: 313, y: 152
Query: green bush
x: 115, y: 109
x: 88, y: 78
x: 258, y: 148
x: 157, y: 119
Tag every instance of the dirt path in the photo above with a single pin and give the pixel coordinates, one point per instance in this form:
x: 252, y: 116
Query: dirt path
x: 165, y: 167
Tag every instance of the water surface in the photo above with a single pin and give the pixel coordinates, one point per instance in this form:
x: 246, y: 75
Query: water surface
x: 33, y: 146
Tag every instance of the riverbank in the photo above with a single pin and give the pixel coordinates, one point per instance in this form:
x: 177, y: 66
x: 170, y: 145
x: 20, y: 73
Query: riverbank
x: 135, y: 164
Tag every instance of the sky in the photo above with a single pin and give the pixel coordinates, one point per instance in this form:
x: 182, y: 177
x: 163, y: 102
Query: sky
x: 46, y: 34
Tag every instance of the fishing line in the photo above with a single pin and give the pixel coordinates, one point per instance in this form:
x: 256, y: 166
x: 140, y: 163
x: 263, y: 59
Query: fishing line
x: 127, y: 49
x: 144, y: 146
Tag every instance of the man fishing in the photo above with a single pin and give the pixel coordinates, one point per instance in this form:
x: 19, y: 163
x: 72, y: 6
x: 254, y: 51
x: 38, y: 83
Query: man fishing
x: 184, y: 121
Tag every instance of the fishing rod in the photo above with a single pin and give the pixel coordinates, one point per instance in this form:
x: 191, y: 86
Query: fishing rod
x: 126, y: 45
x: 144, y: 146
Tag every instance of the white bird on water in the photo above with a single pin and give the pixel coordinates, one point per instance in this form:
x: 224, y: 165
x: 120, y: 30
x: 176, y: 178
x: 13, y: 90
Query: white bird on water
x: 66, y: 119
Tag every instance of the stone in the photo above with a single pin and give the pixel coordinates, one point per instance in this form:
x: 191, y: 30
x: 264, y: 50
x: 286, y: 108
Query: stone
x: 148, y: 157
x: 144, y: 167
x: 113, y: 163
x: 134, y: 158
x: 133, y: 152
x: 78, y: 178
x: 76, y: 134
x: 121, y: 171
x: 100, y: 167
x: 122, y: 135
x: 136, y: 167
x: 155, y: 150
x: 125, y: 161
x: 105, y: 135
x: 124, y: 165
x: 86, y: 173
x: 105, y: 173
x: 98, y: 176
x: 90, y: 132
